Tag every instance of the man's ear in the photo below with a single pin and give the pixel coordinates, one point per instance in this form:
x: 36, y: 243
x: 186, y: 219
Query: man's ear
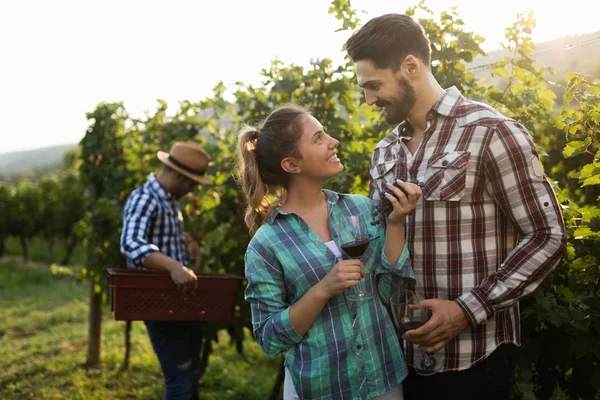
x: 290, y: 165
x: 410, y: 67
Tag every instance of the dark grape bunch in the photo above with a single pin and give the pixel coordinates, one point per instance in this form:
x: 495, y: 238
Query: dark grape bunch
x: 383, y: 207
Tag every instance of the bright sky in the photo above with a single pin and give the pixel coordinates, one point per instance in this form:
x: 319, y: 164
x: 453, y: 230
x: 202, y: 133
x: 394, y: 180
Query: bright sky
x: 59, y: 58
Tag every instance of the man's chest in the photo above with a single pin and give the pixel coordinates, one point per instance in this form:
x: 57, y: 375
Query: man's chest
x: 448, y: 167
x: 167, y: 220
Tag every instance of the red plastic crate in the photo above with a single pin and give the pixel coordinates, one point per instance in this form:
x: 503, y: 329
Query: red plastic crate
x: 152, y: 296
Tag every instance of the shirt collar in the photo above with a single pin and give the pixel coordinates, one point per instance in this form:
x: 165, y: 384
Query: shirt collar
x: 332, y: 200
x: 157, y: 188
x: 446, y: 106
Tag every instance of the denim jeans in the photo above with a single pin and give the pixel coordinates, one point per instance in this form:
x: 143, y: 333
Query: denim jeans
x: 177, y: 346
x: 490, y: 379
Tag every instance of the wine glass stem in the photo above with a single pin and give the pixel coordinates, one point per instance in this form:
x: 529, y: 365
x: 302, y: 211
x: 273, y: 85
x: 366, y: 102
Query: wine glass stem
x: 427, y: 359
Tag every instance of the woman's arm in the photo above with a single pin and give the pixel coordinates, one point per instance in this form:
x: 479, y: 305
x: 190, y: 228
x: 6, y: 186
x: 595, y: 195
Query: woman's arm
x: 277, y: 325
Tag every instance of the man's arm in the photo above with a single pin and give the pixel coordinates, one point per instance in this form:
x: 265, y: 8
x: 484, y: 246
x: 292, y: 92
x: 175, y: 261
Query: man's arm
x: 136, y: 221
x: 522, y: 192
x: 134, y: 245
x: 524, y: 195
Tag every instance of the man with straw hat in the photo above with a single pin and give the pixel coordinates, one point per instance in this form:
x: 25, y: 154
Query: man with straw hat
x: 153, y: 238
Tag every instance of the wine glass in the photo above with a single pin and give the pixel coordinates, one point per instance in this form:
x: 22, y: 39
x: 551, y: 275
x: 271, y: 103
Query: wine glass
x: 354, y: 241
x: 407, y: 314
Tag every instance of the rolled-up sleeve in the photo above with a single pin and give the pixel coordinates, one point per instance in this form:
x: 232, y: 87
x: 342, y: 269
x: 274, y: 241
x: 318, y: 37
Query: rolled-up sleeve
x: 136, y: 216
x: 525, y: 197
x: 393, y: 277
x: 390, y: 277
x: 270, y: 311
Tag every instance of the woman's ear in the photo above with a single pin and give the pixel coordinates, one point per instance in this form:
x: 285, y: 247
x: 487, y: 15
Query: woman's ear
x: 290, y: 165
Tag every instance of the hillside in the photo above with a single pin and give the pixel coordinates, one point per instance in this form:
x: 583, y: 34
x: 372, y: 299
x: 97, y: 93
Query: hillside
x: 18, y: 162
x: 580, y: 53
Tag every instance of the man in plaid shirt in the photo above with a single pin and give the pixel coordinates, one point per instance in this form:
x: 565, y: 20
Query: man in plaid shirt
x: 153, y: 238
x: 487, y: 229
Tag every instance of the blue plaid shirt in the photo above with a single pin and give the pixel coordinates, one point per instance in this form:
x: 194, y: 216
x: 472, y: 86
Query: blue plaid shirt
x: 152, y: 221
x: 285, y: 258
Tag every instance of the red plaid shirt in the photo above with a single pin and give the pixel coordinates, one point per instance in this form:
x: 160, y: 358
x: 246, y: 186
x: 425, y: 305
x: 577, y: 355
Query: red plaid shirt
x: 487, y: 228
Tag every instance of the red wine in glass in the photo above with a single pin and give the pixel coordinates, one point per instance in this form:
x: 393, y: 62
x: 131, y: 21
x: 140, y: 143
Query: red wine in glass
x: 354, y: 241
x: 356, y: 248
x: 409, y: 325
x: 407, y: 314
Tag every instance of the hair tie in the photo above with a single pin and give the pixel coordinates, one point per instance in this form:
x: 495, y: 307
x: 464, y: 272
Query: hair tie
x: 252, y: 139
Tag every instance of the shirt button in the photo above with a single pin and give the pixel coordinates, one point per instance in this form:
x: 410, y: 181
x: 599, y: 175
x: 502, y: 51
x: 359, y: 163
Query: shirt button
x: 444, y: 163
x: 358, y: 346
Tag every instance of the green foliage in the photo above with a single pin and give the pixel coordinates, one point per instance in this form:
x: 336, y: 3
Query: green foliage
x: 6, y: 194
x: 451, y: 48
x: 343, y: 11
x: 24, y: 219
x: 561, y: 320
x: 106, y: 176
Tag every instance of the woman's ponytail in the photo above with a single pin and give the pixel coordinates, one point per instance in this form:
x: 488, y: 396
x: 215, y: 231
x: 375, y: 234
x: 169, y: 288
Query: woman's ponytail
x: 255, y: 189
x: 260, y: 152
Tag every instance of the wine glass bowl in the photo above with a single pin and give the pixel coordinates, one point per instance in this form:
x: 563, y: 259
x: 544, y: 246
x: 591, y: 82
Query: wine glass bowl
x: 354, y: 236
x: 354, y: 240
x: 408, y: 314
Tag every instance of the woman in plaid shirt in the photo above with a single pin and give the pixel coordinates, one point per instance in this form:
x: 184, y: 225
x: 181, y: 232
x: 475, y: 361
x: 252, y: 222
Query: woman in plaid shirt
x: 296, y: 278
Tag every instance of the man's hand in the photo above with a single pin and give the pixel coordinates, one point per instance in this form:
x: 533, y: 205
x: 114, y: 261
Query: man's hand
x: 195, y: 254
x: 446, y: 322
x: 184, y: 278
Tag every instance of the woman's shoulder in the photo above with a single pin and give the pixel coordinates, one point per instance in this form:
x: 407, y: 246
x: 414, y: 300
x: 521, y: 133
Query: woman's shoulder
x: 358, y: 200
x: 261, y: 235
x: 265, y: 239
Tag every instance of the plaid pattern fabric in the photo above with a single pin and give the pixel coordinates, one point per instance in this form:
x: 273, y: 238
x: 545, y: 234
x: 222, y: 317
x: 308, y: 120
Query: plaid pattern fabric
x: 285, y: 258
x: 152, y: 221
x: 483, y: 189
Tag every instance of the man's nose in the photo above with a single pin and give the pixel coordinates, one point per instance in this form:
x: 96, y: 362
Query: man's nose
x: 370, y: 98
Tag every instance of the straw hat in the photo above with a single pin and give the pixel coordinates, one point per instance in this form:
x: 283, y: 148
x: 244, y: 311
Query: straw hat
x: 188, y: 159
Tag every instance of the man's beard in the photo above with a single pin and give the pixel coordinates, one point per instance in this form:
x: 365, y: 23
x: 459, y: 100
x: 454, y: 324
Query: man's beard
x: 399, y: 107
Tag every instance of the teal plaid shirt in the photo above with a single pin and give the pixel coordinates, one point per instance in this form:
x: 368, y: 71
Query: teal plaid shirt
x: 285, y: 258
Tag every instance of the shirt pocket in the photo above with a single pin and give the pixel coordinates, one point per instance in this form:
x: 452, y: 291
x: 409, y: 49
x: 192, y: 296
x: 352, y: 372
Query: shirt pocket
x: 445, y: 176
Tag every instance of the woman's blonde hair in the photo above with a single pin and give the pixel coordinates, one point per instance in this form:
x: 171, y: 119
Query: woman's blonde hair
x: 260, y: 152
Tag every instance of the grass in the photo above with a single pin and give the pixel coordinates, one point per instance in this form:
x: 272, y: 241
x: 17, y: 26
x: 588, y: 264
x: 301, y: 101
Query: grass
x: 43, y: 348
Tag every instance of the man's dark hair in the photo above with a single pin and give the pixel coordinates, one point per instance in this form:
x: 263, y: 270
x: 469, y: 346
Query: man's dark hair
x: 387, y: 40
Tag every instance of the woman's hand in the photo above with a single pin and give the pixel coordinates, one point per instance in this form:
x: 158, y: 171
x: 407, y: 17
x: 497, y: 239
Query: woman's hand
x: 405, y: 204
x: 343, y: 275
